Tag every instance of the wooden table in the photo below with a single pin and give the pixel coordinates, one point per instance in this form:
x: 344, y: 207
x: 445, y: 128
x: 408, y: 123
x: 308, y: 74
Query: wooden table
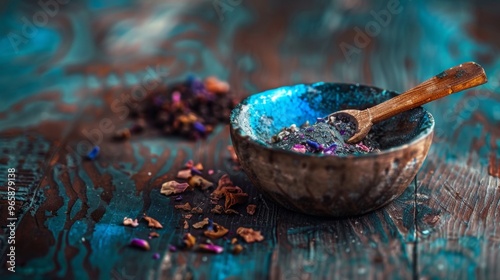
x: 62, y: 79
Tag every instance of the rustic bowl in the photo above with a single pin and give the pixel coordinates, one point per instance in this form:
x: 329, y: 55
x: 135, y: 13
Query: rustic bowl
x: 328, y: 185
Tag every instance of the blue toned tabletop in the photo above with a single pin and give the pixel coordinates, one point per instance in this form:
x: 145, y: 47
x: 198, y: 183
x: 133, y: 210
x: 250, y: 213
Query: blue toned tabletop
x: 71, y: 70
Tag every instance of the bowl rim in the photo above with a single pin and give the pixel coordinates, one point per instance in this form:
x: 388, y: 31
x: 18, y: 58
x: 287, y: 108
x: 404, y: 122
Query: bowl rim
x: 238, y: 131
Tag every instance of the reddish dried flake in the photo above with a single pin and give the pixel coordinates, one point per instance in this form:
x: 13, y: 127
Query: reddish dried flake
x: 249, y: 235
x: 129, y: 222
x: 152, y: 222
x: 251, y: 209
x: 173, y: 187
x: 185, y: 207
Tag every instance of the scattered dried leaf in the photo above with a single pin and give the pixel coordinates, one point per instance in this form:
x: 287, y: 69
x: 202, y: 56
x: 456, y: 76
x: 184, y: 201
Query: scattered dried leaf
x: 197, y: 210
x: 186, y: 225
x: 235, y: 198
x: 129, y: 222
x: 234, y: 240
x: 199, y: 166
x: 173, y: 187
x: 188, y: 216
x: 199, y: 182
x: 218, y: 231
x: 217, y: 209
x: 152, y: 222
x: 201, y: 223
x: 249, y: 235
x: 251, y: 209
x: 140, y: 243
x: 185, y: 207
x: 154, y: 234
x: 184, y: 174
x: 230, y: 211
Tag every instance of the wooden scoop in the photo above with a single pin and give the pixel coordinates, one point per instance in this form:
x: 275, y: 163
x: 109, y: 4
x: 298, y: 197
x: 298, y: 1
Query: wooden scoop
x: 453, y: 80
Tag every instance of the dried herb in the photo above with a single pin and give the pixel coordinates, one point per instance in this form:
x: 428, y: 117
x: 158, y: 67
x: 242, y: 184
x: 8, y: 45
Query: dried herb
x: 325, y: 137
x: 152, y: 222
x: 251, y: 209
x: 200, y: 224
x: 185, y: 207
x: 197, y: 210
x: 217, y: 231
x: 211, y: 248
x: 199, y: 182
x: 234, y: 198
x: 217, y: 209
x: 249, y: 235
x: 173, y: 187
x: 189, y: 240
x: 129, y: 222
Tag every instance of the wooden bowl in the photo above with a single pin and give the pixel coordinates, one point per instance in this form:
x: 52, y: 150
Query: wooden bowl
x: 328, y: 185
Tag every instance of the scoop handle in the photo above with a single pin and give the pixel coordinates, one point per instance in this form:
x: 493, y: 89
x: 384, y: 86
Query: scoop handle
x: 455, y: 79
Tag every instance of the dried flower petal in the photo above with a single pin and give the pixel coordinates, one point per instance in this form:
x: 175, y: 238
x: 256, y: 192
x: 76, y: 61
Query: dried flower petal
x: 214, y: 85
x: 129, y: 222
x: 140, y: 243
x: 178, y: 198
x: 186, y: 225
x: 249, y: 235
x: 189, y: 240
x: 211, y: 248
x: 201, y: 223
x: 156, y: 256
x: 93, y: 153
x: 251, y: 209
x: 218, y: 231
x: 197, y: 210
x: 152, y: 222
x: 217, y: 209
x: 234, y: 240
x: 189, y: 164
x: 231, y: 211
x: 154, y: 234
x: 172, y: 248
x: 299, y: 148
x: 210, y: 172
x: 237, y: 248
x: 185, y: 207
x: 173, y: 187
x: 234, y: 198
x: 188, y: 216
x: 200, y: 182
x: 184, y: 174
x: 198, y: 166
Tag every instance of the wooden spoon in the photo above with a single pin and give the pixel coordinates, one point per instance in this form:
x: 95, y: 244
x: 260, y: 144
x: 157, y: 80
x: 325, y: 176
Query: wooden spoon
x: 453, y: 80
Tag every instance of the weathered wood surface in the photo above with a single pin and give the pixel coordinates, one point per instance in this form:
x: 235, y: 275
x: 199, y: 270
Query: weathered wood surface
x: 64, y: 80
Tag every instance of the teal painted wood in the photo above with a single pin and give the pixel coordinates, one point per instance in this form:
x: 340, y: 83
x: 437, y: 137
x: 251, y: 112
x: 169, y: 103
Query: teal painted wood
x: 64, y: 79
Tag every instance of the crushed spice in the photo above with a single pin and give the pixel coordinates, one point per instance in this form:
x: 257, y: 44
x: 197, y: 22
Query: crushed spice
x: 326, y: 137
